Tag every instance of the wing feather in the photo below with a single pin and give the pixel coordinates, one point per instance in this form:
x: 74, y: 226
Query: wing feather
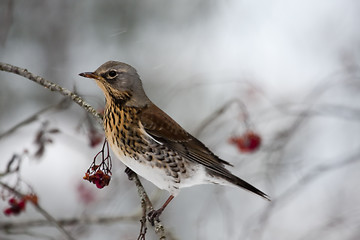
x: 165, y: 130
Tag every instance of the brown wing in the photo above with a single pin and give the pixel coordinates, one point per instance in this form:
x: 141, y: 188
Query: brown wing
x: 160, y: 125
x: 165, y: 130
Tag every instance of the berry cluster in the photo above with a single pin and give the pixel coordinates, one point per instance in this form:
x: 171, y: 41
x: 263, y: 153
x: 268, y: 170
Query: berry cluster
x: 100, y: 174
x: 248, y: 142
x: 18, y: 205
x: 98, y: 177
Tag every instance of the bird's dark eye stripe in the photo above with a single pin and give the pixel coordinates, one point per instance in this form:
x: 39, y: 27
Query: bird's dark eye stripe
x: 104, y: 75
x: 112, y: 73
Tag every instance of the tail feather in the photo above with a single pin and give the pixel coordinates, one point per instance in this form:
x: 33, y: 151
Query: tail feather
x: 247, y: 186
x: 239, y: 182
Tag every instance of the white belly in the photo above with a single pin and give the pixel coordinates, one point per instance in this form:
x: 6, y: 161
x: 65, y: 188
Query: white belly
x: 147, y: 170
x: 195, y: 175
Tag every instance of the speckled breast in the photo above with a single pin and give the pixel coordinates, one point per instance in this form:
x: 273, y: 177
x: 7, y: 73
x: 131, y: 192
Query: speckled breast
x: 124, y: 133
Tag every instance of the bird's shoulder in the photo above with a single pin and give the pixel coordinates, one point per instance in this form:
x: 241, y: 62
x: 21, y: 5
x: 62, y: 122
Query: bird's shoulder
x: 160, y: 125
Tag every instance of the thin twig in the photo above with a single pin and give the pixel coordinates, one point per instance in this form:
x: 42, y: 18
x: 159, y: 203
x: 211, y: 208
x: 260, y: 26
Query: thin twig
x: 68, y: 221
x: 159, y: 228
x: 308, y: 178
x: 28, y: 233
x: 61, y: 105
x: 143, y: 227
x: 51, y: 86
x: 6, y: 22
x: 220, y: 111
x: 43, y: 212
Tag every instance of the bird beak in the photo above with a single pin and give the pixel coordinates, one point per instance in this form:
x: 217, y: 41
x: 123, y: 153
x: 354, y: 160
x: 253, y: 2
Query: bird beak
x: 90, y: 75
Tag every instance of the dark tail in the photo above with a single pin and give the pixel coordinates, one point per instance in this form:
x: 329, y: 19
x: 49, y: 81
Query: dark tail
x: 239, y: 182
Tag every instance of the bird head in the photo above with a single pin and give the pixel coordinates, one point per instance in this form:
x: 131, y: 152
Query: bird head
x: 120, y: 83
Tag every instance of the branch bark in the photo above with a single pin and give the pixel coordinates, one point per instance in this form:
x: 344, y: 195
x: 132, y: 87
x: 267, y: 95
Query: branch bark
x: 159, y: 228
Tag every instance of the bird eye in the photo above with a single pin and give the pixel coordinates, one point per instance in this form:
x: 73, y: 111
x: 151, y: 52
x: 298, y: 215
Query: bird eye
x: 112, y: 74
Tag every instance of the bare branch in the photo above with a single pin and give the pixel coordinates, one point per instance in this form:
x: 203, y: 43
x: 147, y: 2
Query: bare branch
x: 159, y: 228
x: 62, y: 104
x: 220, y: 111
x: 331, y: 110
x: 51, y: 86
x: 6, y: 22
x: 43, y: 212
x: 308, y: 178
x: 68, y: 221
x: 143, y: 227
x: 28, y: 233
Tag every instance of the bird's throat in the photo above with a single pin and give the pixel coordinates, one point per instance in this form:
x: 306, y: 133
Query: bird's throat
x: 117, y: 98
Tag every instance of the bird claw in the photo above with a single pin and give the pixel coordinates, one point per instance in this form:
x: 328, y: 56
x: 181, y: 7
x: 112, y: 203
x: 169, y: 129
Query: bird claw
x: 130, y: 173
x: 154, y: 216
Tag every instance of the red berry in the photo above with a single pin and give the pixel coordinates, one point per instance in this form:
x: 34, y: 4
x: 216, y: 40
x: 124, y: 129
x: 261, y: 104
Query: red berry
x: 16, y: 206
x: 22, y: 204
x: 248, y: 142
x: 12, y: 201
x: 8, y: 211
x: 16, y: 210
x: 99, y: 184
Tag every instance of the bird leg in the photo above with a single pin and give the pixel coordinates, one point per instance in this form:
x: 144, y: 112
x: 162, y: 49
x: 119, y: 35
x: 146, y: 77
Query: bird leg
x: 155, y: 214
x: 130, y: 173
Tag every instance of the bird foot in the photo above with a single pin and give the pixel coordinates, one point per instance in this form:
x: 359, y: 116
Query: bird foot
x: 130, y: 173
x: 154, y: 216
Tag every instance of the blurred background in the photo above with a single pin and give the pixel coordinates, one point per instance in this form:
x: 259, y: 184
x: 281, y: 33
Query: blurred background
x: 287, y: 71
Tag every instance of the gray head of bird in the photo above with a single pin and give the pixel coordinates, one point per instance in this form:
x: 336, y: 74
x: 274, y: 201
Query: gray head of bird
x: 120, y: 83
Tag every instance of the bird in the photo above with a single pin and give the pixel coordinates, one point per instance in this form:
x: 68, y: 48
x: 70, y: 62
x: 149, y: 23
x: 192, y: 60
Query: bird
x: 150, y: 143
